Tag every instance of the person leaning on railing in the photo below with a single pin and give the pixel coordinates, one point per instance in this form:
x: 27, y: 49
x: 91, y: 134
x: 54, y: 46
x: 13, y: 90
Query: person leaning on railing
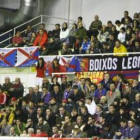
x: 119, y: 48
x: 18, y: 40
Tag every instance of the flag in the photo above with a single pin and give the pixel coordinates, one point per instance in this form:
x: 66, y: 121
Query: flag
x: 128, y: 74
x: 78, y: 66
x: 27, y: 56
x: 72, y: 64
x: 62, y: 64
x: 48, y: 65
x: 7, y: 57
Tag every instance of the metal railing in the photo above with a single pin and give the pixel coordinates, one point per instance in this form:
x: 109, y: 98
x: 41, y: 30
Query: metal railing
x: 41, y: 19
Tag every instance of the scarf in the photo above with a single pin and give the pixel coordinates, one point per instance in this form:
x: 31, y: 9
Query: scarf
x: 64, y: 29
x: 16, y: 86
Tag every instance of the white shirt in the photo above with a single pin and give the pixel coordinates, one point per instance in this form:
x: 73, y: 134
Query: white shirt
x: 121, y: 37
x: 119, y: 28
x: 64, y: 34
x: 91, y: 108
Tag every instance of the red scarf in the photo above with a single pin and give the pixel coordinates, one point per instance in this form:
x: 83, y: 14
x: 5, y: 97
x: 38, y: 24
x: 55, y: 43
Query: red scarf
x: 16, y: 85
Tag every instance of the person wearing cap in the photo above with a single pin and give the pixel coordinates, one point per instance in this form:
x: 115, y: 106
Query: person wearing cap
x: 90, y: 104
x: 53, y: 105
x: 2, y: 98
x: 85, y: 46
x: 133, y: 131
x: 76, y: 94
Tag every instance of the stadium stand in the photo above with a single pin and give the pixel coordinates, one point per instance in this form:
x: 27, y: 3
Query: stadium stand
x: 80, y: 108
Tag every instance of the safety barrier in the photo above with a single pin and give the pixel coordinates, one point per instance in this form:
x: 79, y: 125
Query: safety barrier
x: 35, y: 22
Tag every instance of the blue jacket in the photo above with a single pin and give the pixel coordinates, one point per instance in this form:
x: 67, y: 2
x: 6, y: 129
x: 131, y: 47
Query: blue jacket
x: 47, y: 98
x: 98, y: 94
x: 133, y: 132
x: 85, y: 46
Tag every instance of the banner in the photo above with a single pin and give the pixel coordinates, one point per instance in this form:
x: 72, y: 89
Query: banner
x: 95, y: 77
x: 7, y: 57
x: 61, y: 64
x: 18, y: 57
x: 27, y: 56
x: 112, y: 63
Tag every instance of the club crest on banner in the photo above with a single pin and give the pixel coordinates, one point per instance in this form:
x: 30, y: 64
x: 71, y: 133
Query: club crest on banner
x: 2, y: 56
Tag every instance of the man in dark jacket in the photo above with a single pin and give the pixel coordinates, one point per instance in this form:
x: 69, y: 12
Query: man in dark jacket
x: 61, y: 115
x: 52, y: 46
x: 76, y: 95
x: 90, y: 128
x: 81, y: 32
x: 108, y: 131
x: 43, y: 126
x: 57, y: 94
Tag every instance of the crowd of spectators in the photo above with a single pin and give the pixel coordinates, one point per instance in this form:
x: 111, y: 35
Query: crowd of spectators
x: 121, y: 37
x: 109, y: 109
x: 80, y: 108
